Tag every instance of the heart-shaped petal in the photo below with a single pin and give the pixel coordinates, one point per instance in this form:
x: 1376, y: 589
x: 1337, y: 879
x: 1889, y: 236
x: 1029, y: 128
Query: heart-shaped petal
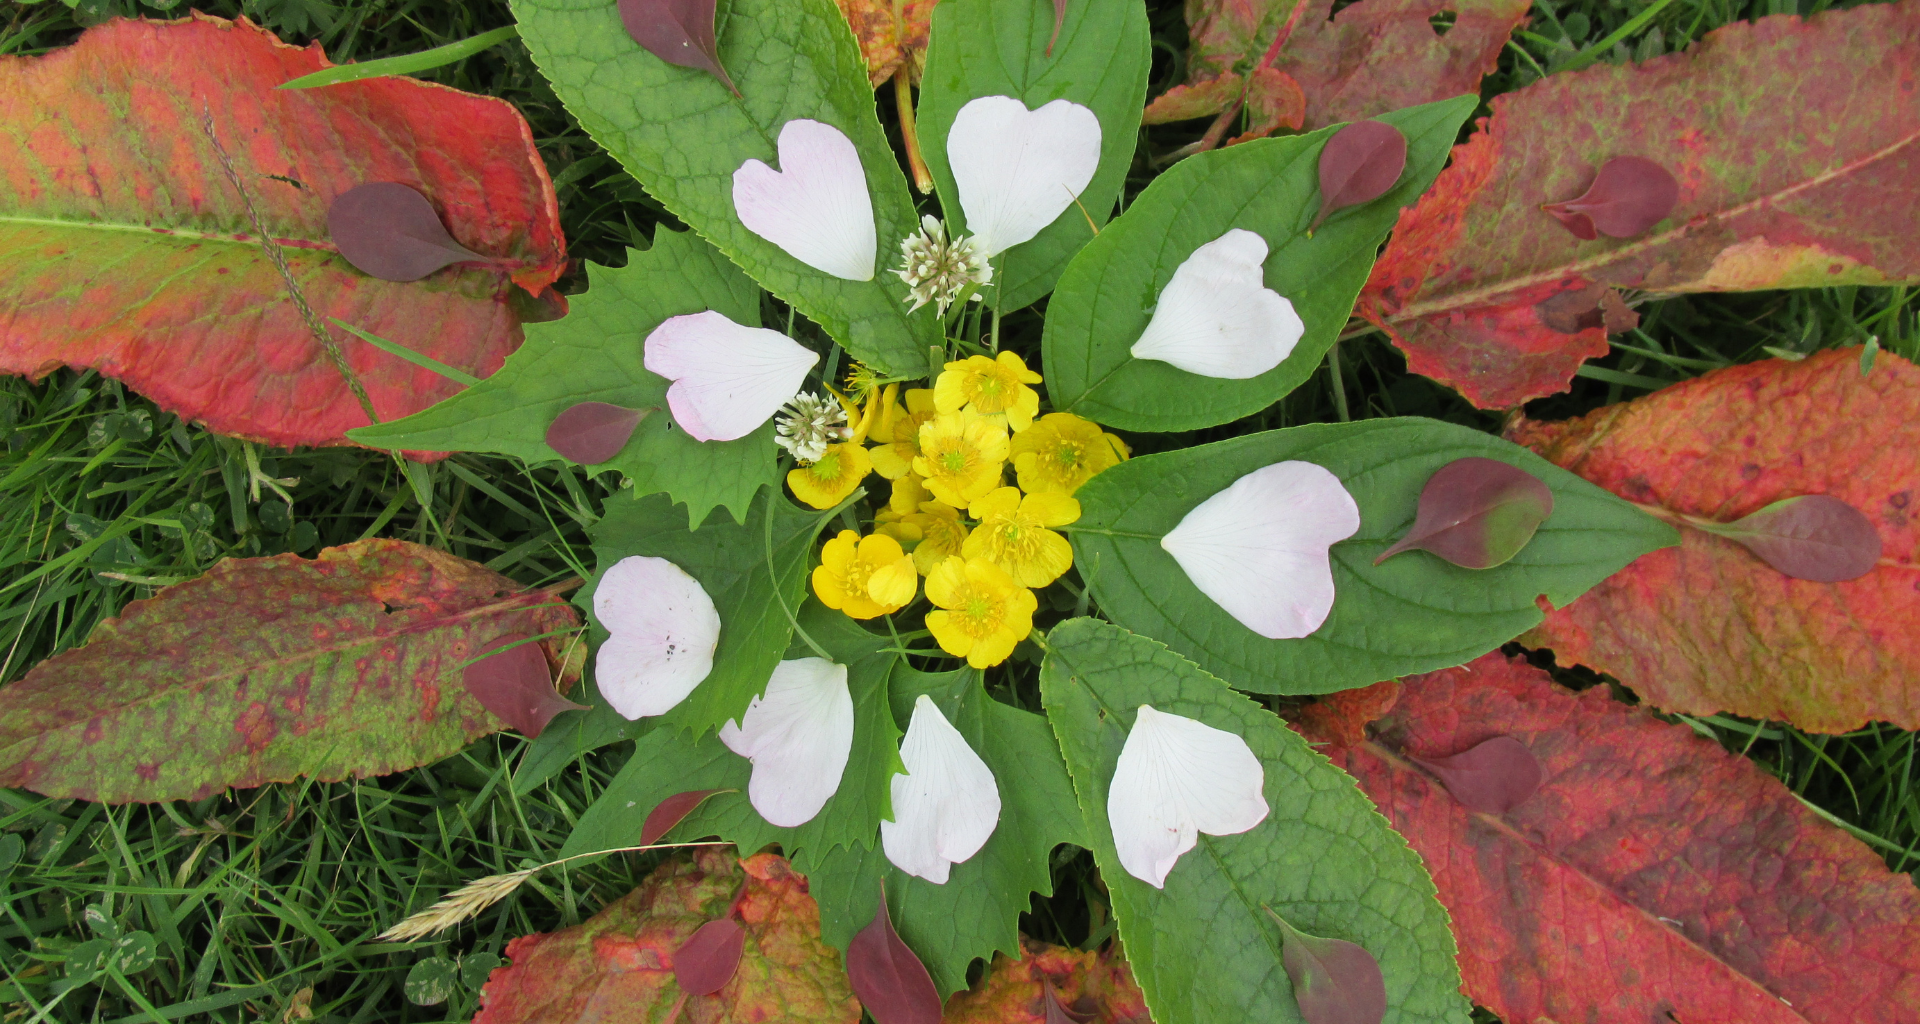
x: 728, y: 378
x: 946, y: 806
x: 1017, y: 170
x: 1175, y: 779
x: 816, y: 206
x: 1259, y: 547
x: 798, y: 735
x: 1217, y: 317
x: 664, y: 630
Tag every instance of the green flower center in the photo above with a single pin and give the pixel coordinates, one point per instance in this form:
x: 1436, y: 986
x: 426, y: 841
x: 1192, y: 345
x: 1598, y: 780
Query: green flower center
x: 954, y: 461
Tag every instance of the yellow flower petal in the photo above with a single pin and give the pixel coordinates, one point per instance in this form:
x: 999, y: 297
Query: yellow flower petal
x: 865, y: 575
x: 1061, y: 451
x: 895, y: 584
x: 1000, y: 501
x: 961, y: 455
x: 981, y: 612
x: 826, y: 483
x: 1050, y: 509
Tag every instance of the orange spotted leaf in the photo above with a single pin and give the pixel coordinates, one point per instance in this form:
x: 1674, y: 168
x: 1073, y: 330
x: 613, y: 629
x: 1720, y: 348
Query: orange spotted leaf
x: 1051, y: 985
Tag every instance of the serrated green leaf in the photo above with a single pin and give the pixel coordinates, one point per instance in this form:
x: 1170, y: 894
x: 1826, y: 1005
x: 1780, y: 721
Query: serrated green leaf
x: 682, y: 134
x: 571, y: 735
x: 991, y: 48
x: 1414, y: 613
x: 1202, y: 949
x: 595, y: 354
x: 1268, y: 186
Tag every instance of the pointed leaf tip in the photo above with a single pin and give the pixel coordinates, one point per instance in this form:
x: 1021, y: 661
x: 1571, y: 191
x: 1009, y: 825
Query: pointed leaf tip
x: 1476, y: 513
x: 1058, y: 1012
x: 1334, y: 981
x: 1059, y: 19
x: 1358, y: 165
x: 708, y: 959
x: 593, y: 432
x: 516, y: 685
x: 1813, y: 537
x: 1493, y: 776
x: 390, y: 231
x: 679, y: 32
x: 888, y: 979
x: 671, y: 811
x: 1629, y: 195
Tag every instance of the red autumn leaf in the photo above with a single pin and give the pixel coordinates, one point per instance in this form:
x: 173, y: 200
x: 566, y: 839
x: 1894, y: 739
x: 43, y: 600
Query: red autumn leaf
x: 1334, y: 981
x: 1629, y: 195
x: 1048, y: 983
x: 389, y: 230
x: 889, y: 979
x: 516, y: 684
x: 1476, y: 513
x: 1371, y: 57
x: 1814, y: 537
x: 619, y: 965
x: 887, y: 42
x: 593, y: 432
x: 1493, y: 776
x: 271, y: 669
x: 1709, y: 627
x: 672, y: 811
x: 1795, y: 171
x: 705, y: 963
x: 1358, y: 165
x: 679, y: 32
x: 1653, y: 877
x: 1341, y: 717
x: 105, y: 164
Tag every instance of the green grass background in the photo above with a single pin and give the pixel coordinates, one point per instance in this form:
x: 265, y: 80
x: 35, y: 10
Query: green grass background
x: 266, y: 902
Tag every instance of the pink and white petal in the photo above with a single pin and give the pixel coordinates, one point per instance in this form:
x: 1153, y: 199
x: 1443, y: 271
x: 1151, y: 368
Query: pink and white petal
x: 664, y: 630
x: 946, y: 806
x: 1175, y: 778
x: 798, y: 735
x: 1017, y: 170
x: 816, y: 207
x: 1259, y: 547
x: 1216, y: 316
x: 728, y: 378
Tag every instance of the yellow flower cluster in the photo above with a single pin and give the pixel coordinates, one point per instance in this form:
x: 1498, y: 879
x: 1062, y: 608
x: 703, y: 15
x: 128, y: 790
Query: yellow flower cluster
x: 983, y: 546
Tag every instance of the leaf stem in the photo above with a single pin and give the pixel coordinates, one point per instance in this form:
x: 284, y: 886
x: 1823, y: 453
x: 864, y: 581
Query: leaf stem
x: 909, y: 132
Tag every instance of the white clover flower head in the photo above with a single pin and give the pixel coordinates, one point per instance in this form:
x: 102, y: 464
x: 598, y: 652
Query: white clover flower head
x: 808, y: 424
x: 938, y: 270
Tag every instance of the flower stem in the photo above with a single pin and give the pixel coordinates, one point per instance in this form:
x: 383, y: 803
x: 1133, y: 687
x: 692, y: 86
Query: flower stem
x: 903, y: 99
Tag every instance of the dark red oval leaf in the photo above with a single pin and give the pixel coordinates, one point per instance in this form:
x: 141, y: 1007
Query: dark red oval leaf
x: 388, y: 230
x: 887, y: 978
x: 1334, y: 981
x: 1813, y: 537
x: 1628, y: 196
x: 516, y: 685
x: 671, y: 811
x: 1493, y: 776
x: 593, y: 432
x: 705, y: 962
x: 1358, y: 165
x: 1476, y: 513
x: 678, y: 32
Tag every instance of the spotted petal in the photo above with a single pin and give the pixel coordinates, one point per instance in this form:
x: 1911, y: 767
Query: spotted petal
x: 798, y: 735
x: 816, y: 206
x: 727, y: 378
x: 1017, y: 170
x: 1259, y: 548
x: 664, y: 630
x: 947, y: 804
x: 1217, y: 318
x: 1175, y: 779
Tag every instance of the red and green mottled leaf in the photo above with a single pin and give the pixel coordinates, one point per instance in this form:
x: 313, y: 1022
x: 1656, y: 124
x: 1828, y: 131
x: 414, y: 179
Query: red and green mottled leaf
x: 887, y: 43
x: 1708, y: 626
x: 1653, y: 877
x: 1371, y: 57
x: 269, y: 669
x: 619, y: 965
x: 124, y: 247
x: 1087, y: 987
x: 1796, y: 144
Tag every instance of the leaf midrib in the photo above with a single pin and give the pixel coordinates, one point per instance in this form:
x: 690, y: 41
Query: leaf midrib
x: 163, y: 232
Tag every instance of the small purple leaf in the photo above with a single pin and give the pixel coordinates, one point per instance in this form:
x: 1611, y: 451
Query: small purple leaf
x: 706, y: 961
x: 1476, y: 513
x: 1059, y: 19
x: 515, y: 684
x: 593, y: 432
x: 388, y: 230
x: 1813, y: 537
x: 887, y: 978
x: 678, y: 32
x: 671, y: 811
x: 1334, y: 981
x: 1058, y: 1012
x: 1493, y: 776
x: 1628, y: 196
x: 1358, y: 165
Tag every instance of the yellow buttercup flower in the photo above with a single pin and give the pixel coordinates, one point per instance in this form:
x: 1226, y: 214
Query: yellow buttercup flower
x: 900, y: 441
x: 983, y: 612
x: 864, y: 576
x: 1063, y: 451
x: 961, y: 455
x: 942, y: 534
x: 827, y: 483
x: 893, y: 524
x: 1013, y: 534
x: 908, y: 492
x: 994, y: 387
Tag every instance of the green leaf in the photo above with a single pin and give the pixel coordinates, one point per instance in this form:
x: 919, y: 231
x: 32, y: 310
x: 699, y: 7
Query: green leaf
x: 571, y: 735
x: 682, y: 134
x: 431, y: 981
x: 1202, y: 949
x: 1268, y: 186
x: 406, y: 63
x: 594, y: 354
x: 992, y: 48
x: 1414, y: 613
